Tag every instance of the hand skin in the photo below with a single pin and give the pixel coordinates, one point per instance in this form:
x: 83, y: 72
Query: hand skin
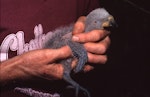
x: 41, y: 63
x: 95, y: 42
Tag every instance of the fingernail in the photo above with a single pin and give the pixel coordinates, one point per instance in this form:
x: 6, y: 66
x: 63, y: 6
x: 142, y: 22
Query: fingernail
x: 75, y: 38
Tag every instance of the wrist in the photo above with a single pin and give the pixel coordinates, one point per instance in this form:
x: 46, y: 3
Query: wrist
x: 10, y: 70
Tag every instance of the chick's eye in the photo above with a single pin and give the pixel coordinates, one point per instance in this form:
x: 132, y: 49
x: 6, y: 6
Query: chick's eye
x: 95, y: 22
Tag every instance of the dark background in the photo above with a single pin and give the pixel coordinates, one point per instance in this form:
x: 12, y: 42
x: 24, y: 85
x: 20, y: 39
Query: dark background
x: 127, y: 72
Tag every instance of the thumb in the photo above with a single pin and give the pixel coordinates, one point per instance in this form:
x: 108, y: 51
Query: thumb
x: 57, y: 54
x: 79, y: 26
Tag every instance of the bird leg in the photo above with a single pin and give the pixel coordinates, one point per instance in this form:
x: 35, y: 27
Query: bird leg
x: 80, y: 53
x: 75, y: 85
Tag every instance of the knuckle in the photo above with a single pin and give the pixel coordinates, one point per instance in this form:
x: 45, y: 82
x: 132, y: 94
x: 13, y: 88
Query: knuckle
x: 90, y: 57
x: 93, y: 36
x: 97, y: 35
x: 102, y: 49
x: 100, y: 33
x: 79, y: 25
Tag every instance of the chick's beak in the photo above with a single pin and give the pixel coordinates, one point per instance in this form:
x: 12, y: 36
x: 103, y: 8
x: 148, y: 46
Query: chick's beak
x: 109, y: 23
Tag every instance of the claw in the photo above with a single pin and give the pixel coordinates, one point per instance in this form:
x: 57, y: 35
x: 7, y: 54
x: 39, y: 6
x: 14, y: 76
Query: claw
x: 78, y: 88
x: 74, y: 85
x: 86, y: 92
x: 70, y: 87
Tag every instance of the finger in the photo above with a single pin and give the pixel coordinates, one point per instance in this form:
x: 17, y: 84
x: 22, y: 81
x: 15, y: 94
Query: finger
x: 52, y: 71
x: 55, y: 71
x: 57, y: 54
x: 97, y: 59
x: 74, y: 63
x: 88, y: 68
x: 98, y: 48
x: 93, y: 36
x: 79, y: 25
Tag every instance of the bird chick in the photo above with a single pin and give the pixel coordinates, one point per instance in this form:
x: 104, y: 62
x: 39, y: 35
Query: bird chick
x: 97, y: 19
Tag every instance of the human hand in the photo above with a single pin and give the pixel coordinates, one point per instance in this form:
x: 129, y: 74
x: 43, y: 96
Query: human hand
x: 39, y: 63
x: 95, y: 42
